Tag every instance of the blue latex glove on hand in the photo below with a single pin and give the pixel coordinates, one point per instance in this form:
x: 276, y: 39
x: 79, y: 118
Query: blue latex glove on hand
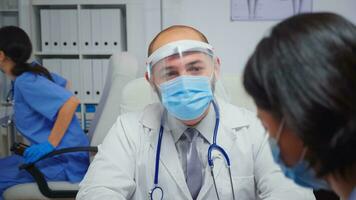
x: 36, y: 151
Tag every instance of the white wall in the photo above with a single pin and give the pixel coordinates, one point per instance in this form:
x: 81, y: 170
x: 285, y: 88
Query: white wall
x: 234, y: 41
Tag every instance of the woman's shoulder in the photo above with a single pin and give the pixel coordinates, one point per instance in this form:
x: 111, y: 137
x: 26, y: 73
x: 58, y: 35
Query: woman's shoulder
x: 25, y: 77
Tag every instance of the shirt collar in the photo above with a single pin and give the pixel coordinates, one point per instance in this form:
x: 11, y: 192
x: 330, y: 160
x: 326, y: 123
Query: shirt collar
x: 205, y: 126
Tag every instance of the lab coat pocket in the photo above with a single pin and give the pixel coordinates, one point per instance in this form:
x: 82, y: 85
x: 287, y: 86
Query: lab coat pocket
x: 244, y: 188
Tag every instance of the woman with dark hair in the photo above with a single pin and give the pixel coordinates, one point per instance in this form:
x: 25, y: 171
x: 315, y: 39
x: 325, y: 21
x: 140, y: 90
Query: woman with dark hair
x: 302, y: 78
x: 43, y: 113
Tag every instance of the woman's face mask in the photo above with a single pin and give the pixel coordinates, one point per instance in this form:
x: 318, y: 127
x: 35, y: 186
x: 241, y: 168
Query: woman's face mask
x: 301, y: 173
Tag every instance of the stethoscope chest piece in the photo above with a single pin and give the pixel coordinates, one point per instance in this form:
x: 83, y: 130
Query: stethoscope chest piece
x: 156, y: 193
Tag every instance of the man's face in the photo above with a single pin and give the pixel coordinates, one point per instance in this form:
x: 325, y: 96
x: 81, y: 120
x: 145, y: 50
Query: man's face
x: 189, y: 64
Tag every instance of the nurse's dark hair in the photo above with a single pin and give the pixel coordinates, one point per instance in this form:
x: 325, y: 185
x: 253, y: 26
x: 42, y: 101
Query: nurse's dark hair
x: 305, y: 72
x: 16, y: 45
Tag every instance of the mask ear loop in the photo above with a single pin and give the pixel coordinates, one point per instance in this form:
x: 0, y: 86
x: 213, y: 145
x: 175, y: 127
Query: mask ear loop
x: 280, y: 129
x: 302, y: 155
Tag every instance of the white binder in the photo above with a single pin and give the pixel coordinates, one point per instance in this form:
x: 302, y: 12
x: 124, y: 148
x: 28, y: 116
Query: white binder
x: 97, y: 79
x: 111, y: 20
x: 85, y: 30
x: 45, y: 29
x: 55, y: 27
x: 66, y: 69
x: 96, y: 29
x: 87, y: 80
x: 74, y: 69
x: 69, y: 36
x: 52, y: 65
x: 105, y: 67
x: 106, y: 24
x: 116, y: 30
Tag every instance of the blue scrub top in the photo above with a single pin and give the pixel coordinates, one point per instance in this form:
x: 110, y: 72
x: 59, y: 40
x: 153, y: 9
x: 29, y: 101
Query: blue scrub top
x: 353, y: 194
x: 37, y: 101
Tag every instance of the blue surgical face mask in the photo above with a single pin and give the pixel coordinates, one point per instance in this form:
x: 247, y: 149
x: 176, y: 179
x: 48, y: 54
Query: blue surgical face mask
x: 301, y: 173
x: 186, y: 97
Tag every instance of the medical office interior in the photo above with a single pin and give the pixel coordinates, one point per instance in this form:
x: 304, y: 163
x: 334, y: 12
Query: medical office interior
x: 100, y: 47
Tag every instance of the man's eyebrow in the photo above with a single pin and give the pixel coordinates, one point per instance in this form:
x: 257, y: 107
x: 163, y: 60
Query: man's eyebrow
x: 166, y: 68
x: 194, y: 62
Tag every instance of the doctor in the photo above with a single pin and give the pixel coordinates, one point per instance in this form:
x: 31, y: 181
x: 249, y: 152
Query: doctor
x: 185, y: 146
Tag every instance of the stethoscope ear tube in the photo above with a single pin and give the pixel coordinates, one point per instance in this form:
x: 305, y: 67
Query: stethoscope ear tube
x: 221, y: 150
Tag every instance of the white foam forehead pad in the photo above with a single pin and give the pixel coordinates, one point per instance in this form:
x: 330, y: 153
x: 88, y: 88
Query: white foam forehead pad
x: 173, y: 48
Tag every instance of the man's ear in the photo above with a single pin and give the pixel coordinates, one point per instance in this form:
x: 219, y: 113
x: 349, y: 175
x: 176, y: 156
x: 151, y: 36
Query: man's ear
x: 149, y: 80
x: 217, y: 66
x: 146, y: 77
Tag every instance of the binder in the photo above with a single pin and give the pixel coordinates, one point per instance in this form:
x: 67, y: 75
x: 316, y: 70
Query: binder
x: 55, y: 27
x: 97, y: 79
x: 105, y: 75
x: 86, y: 82
x: 52, y: 65
x: 65, y: 69
x: 106, y: 29
x: 75, y: 72
x: 69, y: 35
x: 111, y: 29
x: 45, y: 29
x: 96, y: 28
x: 85, y: 30
x: 117, y: 30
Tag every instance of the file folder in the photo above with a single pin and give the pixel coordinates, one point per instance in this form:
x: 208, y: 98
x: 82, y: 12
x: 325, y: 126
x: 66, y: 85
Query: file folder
x: 105, y: 67
x: 111, y: 31
x: 117, y: 30
x: 85, y: 30
x: 96, y: 28
x: 55, y: 27
x: 74, y: 68
x: 52, y: 65
x: 69, y: 35
x: 45, y: 29
x: 97, y: 79
x: 87, y: 83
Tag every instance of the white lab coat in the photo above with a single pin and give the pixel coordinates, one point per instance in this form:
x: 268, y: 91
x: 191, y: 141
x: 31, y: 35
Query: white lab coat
x: 124, y: 165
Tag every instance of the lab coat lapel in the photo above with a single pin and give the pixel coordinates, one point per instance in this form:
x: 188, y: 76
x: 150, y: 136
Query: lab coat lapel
x: 169, y: 160
x: 227, y: 140
x: 169, y: 155
x: 230, y: 123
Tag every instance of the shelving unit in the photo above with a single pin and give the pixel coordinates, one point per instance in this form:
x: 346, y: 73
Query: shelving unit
x: 78, y: 51
x: 134, y: 18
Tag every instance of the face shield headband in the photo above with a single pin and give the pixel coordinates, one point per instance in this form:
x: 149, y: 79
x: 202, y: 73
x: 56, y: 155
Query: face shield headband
x: 177, y: 47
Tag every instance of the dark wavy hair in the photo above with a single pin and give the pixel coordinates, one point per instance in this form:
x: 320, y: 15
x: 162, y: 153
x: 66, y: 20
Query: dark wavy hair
x: 305, y: 72
x: 16, y: 45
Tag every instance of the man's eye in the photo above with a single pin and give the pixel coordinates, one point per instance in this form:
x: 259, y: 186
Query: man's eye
x: 195, y: 68
x: 170, y: 74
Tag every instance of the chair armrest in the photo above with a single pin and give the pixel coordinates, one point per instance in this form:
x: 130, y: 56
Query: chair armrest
x: 40, y: 179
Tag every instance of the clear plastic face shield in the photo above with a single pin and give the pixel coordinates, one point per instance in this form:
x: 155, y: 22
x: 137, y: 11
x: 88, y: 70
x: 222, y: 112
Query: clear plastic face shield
x: 181, y: 58
x: 183, y: 74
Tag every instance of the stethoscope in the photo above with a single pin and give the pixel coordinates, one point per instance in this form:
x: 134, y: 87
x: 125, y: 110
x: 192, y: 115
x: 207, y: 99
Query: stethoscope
x: 157, y: 192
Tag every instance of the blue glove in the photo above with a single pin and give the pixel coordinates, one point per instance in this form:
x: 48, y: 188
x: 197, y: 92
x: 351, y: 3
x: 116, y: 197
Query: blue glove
x: 36, y: 151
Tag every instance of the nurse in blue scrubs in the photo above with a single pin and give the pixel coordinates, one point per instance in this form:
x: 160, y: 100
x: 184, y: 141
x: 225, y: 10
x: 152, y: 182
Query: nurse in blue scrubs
x: 44, y: 115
